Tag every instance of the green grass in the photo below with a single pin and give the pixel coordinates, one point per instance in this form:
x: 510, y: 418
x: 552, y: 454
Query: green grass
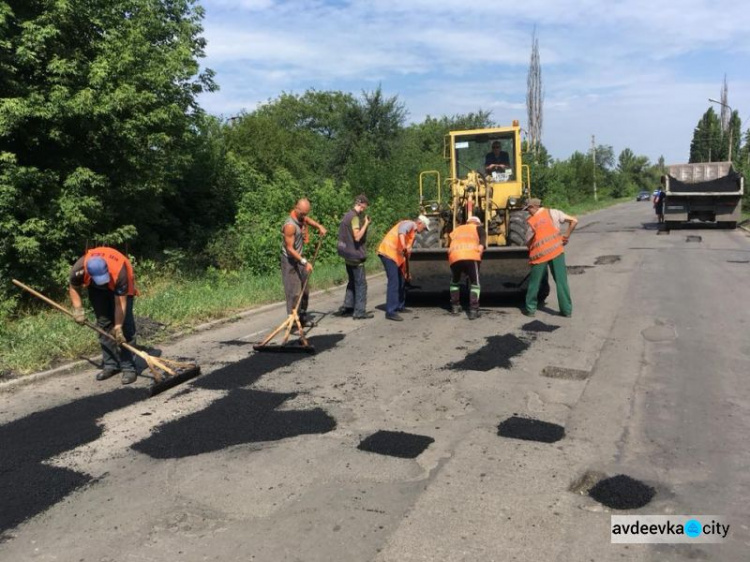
x: 41, y: 340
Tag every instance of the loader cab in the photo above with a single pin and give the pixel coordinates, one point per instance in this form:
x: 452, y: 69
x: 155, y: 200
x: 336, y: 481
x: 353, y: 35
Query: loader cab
x: 471, y: 152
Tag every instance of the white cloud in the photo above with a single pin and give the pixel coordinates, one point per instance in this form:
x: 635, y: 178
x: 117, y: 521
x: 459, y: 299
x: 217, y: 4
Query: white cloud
x: 638, y: 71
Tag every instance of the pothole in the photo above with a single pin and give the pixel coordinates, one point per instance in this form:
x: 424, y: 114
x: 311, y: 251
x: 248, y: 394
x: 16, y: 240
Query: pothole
x: 622, y: 492
x: 606, y: 260
x: 694, y: 238
x: 659, y: 333
x: 529, y: 429
x: 578, y: 269
x: 538, y: 326
x: 567, y: 374
x: 588, y: 480
x: 738, y: 261
x: 396, y: 444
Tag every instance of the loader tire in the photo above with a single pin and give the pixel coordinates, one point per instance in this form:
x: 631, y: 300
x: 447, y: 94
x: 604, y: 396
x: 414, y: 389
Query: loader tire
x: 517, y: 229
x: 426, y: 239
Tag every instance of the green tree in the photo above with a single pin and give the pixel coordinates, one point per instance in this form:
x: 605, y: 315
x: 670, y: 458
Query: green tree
x: 97, y: 119
x: 706, y: 145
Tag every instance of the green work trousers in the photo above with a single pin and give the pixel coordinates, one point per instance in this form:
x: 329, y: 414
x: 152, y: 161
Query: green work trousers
x: 539, y: 274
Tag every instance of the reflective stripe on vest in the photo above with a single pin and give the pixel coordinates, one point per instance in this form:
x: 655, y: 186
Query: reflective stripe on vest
x: 391, y: 247
x: 547, y: 242
x: 464, y: 244
x: 115, y: 260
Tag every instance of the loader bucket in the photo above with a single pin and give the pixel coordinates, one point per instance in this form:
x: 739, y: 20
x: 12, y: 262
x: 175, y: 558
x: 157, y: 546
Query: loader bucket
x: 504, y: 270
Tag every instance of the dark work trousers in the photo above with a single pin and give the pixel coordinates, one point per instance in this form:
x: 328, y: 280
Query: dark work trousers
x: 395, y: 296
x: 470, y: 268
x: 103, y: 303
x: 293, y: 275
x: 356, y: 288
x: 539, y: 274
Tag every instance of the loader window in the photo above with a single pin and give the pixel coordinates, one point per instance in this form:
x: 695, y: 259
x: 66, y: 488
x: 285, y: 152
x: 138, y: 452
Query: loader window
x: 473, y: 152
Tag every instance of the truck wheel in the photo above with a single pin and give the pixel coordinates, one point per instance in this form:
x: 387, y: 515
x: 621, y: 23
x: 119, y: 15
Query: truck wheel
x: 517, y: 229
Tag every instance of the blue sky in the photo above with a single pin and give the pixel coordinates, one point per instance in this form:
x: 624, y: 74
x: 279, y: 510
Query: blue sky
x: 635, y: 73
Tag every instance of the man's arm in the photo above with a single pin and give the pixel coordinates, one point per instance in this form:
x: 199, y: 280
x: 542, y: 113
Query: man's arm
x: 289, y: 232
x: 359, y: 232
x: 313, y: 223
x: 572, y: 223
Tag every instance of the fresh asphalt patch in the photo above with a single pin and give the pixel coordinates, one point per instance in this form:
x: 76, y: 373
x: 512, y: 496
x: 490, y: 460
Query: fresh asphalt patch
x: 496, y: 353
x: 622, y: 492
x: 247, y: 371
x: 529, y: 429
x: 538, y: 326
x: 577, y: 269
x: 29, y: 487
x: 606, y: 260
x: 396, y: 444
x: 243, y: 416
x: 566, y: 374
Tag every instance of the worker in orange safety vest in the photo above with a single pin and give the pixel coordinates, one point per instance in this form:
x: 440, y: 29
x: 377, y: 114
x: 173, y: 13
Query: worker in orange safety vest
x: 464, y: 256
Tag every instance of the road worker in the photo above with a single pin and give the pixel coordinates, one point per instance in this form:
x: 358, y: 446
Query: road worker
x: 464, y: 256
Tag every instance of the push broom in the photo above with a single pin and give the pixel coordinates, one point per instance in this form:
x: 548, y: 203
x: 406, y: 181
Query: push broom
x: 166, y: 372
x: 292, y: 320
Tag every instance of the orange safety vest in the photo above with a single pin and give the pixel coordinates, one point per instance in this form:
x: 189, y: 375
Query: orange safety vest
x: 115, y: 261
x: 391, y: 247
x: 464, y: 244
x: 547, y: 242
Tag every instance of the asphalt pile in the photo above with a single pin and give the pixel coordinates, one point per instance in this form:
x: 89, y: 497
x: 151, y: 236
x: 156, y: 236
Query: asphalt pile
x: 248, y: 371
x: 622, y: 492
x: 530, y: 429
x: 29, y: 487
x: 538, y: 326
x: 496, y: 353
x: 396, y: 444
x: 243, y: 416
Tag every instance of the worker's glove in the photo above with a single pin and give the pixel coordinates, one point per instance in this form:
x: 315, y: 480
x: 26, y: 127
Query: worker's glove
x: 118, y: 335
x: 78, y: 315
x: 566, y: 239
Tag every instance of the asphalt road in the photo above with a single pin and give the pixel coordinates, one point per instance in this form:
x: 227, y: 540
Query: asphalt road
x: 258, y: 459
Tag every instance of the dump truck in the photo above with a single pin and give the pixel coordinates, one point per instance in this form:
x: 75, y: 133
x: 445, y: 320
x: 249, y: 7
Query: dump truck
x: 707, y: 191
x: 497, y: 197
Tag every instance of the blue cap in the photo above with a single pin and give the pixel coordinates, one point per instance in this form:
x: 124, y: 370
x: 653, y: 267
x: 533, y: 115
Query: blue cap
x: 98, y: 270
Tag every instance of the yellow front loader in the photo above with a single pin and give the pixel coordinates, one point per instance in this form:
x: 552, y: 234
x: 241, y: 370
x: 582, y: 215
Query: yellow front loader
x: 496, y: 196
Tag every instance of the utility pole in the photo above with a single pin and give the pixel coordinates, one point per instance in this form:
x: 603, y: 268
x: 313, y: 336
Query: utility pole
x: 593, y: 159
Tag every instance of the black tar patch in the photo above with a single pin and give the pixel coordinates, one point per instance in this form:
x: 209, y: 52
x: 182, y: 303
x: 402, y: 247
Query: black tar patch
x: 396, y: 444
x: 622, y: 492
x: 497, y: 352
x: 530, y: 429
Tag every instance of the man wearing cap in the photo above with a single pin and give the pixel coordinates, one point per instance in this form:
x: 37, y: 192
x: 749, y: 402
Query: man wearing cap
x: 497, y: 160
x: 464, y: 256
x: 546, y: 249
x: 352, y: 246
x: 109, y: 278
x: 394, y: 252
x: 294, y: 267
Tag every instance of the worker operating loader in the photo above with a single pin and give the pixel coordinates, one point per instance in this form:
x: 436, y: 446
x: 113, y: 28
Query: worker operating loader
x: 464, y: 257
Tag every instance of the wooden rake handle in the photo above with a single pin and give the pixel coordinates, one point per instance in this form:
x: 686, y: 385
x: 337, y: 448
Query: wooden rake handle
x: 97, y: 329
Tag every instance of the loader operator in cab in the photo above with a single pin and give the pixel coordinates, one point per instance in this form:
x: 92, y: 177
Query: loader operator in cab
x: 497, y: 160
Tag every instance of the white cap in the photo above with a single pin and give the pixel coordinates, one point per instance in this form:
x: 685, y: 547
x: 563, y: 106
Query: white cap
x: 424, y: 220
x: 474, y: 219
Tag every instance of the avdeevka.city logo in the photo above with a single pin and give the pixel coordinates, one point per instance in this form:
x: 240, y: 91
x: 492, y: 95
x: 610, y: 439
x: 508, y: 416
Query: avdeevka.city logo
x: 669, y: 529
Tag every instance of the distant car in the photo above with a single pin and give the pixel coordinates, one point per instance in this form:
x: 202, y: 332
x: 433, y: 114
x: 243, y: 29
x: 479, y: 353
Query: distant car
x: 643, y: 196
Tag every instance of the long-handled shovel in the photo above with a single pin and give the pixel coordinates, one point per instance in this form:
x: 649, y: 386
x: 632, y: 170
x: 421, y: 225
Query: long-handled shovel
x: 292, y: 320
x: 167, y: 373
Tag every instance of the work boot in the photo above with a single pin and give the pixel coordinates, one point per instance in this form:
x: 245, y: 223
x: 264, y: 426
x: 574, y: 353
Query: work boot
x: 129, y: 377
x: 407, y: 310
x: 473, y: 314
x: 344, y: 311
x: 363, y: 315
x: 306, y: 321
x: 106, y: 373
x: 455, y: 309
x: 395, y: 317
